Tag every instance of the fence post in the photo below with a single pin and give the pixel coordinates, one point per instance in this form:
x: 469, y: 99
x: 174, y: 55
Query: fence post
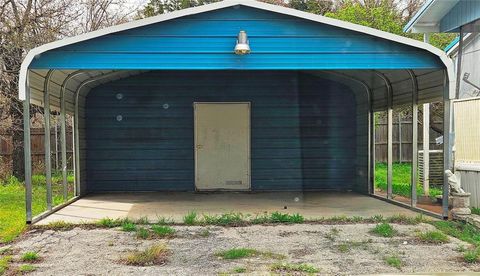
x: 399, y: 139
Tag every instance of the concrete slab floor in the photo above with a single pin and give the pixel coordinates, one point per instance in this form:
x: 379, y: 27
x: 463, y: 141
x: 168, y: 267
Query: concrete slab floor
x: 174, y: 205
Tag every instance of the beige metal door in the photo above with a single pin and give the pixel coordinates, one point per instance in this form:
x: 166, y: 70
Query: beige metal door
x: 222, y: 146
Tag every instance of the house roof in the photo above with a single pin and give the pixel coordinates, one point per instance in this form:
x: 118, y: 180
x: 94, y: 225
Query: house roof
x: 428, y: 18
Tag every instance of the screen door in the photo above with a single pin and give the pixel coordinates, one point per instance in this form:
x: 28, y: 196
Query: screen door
x: 222, y: 146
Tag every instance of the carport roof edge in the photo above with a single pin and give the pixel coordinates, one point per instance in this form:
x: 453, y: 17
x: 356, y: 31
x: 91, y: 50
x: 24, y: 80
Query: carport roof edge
x: 224, y: 4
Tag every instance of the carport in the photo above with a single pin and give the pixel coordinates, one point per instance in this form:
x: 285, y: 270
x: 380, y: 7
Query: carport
x: 165, y: 104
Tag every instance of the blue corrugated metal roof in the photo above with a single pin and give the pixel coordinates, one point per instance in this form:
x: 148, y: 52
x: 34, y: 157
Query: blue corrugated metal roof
x: 452, y: 44
x: 206, y: 41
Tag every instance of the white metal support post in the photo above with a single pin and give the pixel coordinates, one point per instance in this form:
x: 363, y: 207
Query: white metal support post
x: 48, y: 157
x: 426, y: 139
x: 414, y: 177
x: 27, y: 152
x: 63, y: 145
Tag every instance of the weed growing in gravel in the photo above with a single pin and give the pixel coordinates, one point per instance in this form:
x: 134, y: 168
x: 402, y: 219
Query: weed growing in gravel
x: 128, y: 226
x: 163, y: 231
x: 30, y: 256
x: 4, y: 263
x: 239, y: 253
x: 142, y: 220
x: 143, y: 233
x: 472, y: 256
x: 394, y: 261
x: 155, y: 255
x: 164, y: 221
x: 403, y: 219
x: 282, y: 268
x: 190, y: 218
x: 110, y: 223
x: 349, y: 245
x: 435, y: 237
x: 384, y: 230
x: 239, y: 269
x: 286, y: 218
x: 332, y: 234
x: 204, y: 233
x: 25, y: 268
x: 277, y: 217
x: 233, y: 219
x: 460, y: 230
x: 59, y: 225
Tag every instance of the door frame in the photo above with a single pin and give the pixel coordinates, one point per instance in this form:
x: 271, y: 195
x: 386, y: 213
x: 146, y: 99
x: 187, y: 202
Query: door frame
x: 249, y: 146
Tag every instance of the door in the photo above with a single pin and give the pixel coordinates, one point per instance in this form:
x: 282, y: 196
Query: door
x: 222, y: 146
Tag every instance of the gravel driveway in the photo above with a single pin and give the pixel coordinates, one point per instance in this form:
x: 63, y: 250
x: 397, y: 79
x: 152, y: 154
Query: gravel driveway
x: 332, y: 249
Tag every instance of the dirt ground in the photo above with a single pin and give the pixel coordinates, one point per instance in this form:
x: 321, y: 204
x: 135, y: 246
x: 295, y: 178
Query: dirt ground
x: 333, y: 249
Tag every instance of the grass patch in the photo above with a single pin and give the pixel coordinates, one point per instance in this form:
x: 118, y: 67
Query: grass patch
x: 190, y: 218
x: 460, y: 230
x: 155, y: 255
x: 384, y: 230
x: 163, y: 231
x: 25, y: 268
x: 288, y: 268
x: 143, y: 233
x: 401, y: 180
x: 12, y: 200
x: 434, y: 237
x: 394, y: 261
x: 164, y: 221
x: 240, y: 253
x: 142, y: 220
x: 30, y: 257
x: 277, y: 217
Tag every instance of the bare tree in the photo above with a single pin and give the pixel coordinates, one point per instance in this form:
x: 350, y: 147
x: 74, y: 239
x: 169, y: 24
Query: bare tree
x: 25, y: 24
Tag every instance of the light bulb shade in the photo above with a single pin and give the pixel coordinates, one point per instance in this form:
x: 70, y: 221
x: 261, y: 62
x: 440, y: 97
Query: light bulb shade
x: 242, y: 47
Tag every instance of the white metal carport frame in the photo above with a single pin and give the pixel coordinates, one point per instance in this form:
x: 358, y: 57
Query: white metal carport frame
x: 69, y: 87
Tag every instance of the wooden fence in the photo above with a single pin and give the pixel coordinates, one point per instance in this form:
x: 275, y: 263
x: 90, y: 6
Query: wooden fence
x: 402, y: 140
x: 38, y: 150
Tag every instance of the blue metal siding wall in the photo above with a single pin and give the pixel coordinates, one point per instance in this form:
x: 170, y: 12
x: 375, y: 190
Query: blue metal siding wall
x: 303, y: 130
x: 465, y: 11
x: 206, y: 41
